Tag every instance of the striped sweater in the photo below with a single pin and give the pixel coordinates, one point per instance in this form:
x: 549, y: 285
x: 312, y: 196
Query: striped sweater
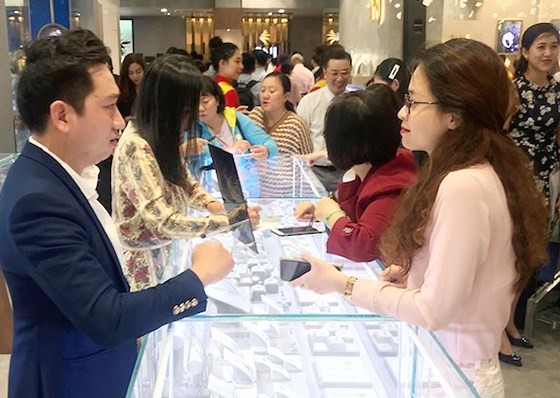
x: 292, y: 137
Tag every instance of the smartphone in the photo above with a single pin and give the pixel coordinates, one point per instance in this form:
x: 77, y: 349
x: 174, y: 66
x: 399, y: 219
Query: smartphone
x: 293, y: 231
x: 293, y: 268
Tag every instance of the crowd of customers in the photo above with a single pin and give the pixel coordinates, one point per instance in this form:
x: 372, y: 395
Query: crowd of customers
x: 490, y: 167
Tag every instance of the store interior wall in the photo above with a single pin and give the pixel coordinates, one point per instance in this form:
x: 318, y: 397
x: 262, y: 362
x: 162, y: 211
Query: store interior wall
x: 304, y: 34
x: 482, y: 25
x: 154, y: 35
x: 368, y: 41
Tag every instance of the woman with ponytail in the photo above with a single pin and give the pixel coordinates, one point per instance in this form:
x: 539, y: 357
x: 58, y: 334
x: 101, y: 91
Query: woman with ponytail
x: 471, y: 232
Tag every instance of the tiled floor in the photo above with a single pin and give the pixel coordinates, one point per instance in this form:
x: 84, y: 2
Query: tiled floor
x: 539, y: 376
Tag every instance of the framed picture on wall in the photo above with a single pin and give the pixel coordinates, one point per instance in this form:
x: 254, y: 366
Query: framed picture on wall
x: 509, y: 35
x: 127, y: 37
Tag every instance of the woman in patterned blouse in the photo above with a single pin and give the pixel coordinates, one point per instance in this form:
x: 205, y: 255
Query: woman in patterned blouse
x: 534, y: 129
x: 535, y: 125
x: 152, y: 190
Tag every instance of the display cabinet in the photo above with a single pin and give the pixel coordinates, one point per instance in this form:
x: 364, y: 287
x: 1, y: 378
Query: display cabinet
x: 6, y: 160
x: 259, y: 337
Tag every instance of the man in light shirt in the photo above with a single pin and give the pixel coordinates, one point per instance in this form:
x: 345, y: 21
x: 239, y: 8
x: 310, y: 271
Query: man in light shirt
x: 337, y: 66
x: 261, y: 59
x: 302, y: 76
x: 75, y: 321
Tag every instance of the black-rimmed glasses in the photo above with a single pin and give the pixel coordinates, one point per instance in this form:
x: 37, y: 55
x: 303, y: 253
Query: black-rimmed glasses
x: 409, y: 102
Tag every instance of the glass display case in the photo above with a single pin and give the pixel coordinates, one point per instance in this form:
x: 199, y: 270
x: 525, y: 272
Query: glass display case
x: 259, y: 337
x: 6, y: 160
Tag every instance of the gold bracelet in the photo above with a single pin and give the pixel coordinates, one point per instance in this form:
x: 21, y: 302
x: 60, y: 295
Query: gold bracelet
x: 349, y: 287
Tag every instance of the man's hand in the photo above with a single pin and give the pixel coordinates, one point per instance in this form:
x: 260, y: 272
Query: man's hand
x: 211, y: 262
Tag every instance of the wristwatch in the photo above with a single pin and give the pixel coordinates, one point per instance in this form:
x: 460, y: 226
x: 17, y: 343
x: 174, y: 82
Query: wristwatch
x: 349, y: 287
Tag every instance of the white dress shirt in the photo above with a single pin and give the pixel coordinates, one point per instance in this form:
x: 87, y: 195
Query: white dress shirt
x: 87, y: 182
x: 313, y: 108
x: 304, y: 79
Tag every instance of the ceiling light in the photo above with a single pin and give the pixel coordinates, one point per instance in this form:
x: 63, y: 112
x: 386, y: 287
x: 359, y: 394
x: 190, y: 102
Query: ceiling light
x: 228, y: 30
x: 281, y: 11
x: 270, y: 13
x: 164, y: 10
x: 16, y: 12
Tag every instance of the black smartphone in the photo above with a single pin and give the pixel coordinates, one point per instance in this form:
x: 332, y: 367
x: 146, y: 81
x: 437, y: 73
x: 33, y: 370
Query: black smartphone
x: 293, y: 268
x: 293, y: 231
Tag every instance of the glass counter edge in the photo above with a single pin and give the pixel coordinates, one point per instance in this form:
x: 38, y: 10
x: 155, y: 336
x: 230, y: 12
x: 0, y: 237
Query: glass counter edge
x: 7, y: 159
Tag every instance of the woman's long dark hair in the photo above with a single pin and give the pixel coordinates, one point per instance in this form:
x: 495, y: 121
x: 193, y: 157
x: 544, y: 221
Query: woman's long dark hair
x: 167, y: 104
x: 126, y: 86
x: 468, y: 78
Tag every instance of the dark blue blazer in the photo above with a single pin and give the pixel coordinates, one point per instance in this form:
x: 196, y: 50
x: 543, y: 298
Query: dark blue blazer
x: 75, y: 321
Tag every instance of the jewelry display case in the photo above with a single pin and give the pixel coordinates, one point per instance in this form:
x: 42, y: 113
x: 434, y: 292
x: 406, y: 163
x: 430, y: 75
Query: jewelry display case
x: 259, y: 337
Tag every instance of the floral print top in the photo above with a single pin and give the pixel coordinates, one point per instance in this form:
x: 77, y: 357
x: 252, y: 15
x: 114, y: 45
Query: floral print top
x: 149, y: 212
x: 534, y: 127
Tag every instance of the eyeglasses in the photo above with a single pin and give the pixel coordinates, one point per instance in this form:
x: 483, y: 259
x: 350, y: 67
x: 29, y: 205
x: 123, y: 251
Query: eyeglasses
x: 409, y: 102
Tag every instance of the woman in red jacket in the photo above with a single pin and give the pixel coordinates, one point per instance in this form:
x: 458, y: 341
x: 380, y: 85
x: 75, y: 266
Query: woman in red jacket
x: 362, y: 133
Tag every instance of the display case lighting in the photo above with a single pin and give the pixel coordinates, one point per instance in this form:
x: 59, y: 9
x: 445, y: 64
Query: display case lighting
x: 163, y: 10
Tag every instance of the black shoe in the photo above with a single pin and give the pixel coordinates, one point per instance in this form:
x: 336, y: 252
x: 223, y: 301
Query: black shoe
x: 522, y: 342
x: 512, y: 359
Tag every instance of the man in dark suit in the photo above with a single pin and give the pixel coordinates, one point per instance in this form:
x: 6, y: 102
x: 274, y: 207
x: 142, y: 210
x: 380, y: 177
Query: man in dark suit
x: 75, y: 321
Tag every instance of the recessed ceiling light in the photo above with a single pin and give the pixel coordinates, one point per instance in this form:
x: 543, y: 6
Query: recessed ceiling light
x: 16, y: 12
x: 164, y: 10
x: 281, y: 11
x: 228, y: 29
x: 270, y: 13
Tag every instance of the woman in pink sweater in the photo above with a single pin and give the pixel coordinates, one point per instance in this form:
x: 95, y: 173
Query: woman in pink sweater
x: 469, y: 233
